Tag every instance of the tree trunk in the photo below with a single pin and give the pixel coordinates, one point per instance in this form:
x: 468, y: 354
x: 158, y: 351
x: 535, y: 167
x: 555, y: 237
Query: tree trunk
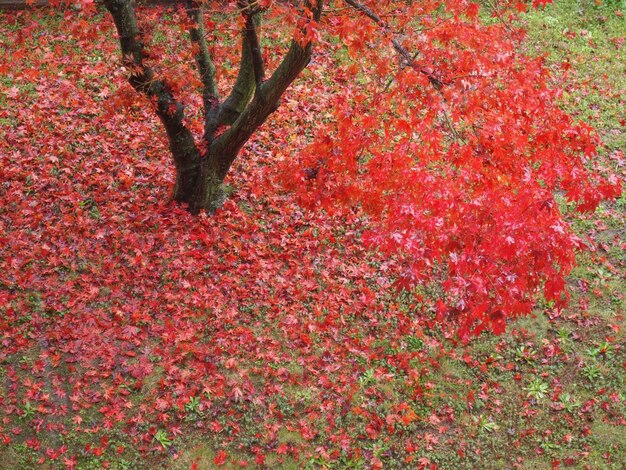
x: 200, y: 185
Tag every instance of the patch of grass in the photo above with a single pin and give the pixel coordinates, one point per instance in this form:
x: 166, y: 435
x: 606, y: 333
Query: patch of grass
x: 588, y: 39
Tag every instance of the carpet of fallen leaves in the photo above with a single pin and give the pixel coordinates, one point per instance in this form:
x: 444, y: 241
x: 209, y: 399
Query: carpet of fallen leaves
x: 266, y: 335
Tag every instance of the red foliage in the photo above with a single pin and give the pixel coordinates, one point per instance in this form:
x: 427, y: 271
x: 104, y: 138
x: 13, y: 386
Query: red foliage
x: 456, y: 160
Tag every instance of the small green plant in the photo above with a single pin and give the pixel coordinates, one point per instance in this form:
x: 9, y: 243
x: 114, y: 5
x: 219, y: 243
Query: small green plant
x: 193, y: 405
x: 604, y: 349
x: 91, y: 206
x: 487, y: 425
x: 563, y: 334
x: 161, y: 437
x: 414, y: 344
x: 569, y: 403
x: 29, y: 411
x: 537, y: 389
x: 367, y: 378
x: 548, y: 446
x: 525, y: 354
x: 592, y: 372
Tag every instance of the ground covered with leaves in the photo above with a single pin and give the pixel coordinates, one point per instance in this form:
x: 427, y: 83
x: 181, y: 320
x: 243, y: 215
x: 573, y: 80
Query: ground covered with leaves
x: 135, y: 335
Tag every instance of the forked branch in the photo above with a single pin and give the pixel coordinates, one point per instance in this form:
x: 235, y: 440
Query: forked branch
x: 266, y: 98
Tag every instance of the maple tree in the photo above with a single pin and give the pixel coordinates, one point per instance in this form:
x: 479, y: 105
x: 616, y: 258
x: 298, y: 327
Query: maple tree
x: 439, y: 129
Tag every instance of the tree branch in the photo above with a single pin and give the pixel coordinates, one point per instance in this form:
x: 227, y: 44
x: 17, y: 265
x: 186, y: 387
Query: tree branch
x: 251, y: 73
x: 406, y: 56
x: 142, y: 79
x: 252, y: 18
x: 239, y: 97
x: 202, y: 56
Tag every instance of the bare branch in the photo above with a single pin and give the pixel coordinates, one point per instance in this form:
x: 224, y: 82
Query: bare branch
x: 251, y: 73
x: 239, y: 97
x: 202, y: 56
x: 406, y: 55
